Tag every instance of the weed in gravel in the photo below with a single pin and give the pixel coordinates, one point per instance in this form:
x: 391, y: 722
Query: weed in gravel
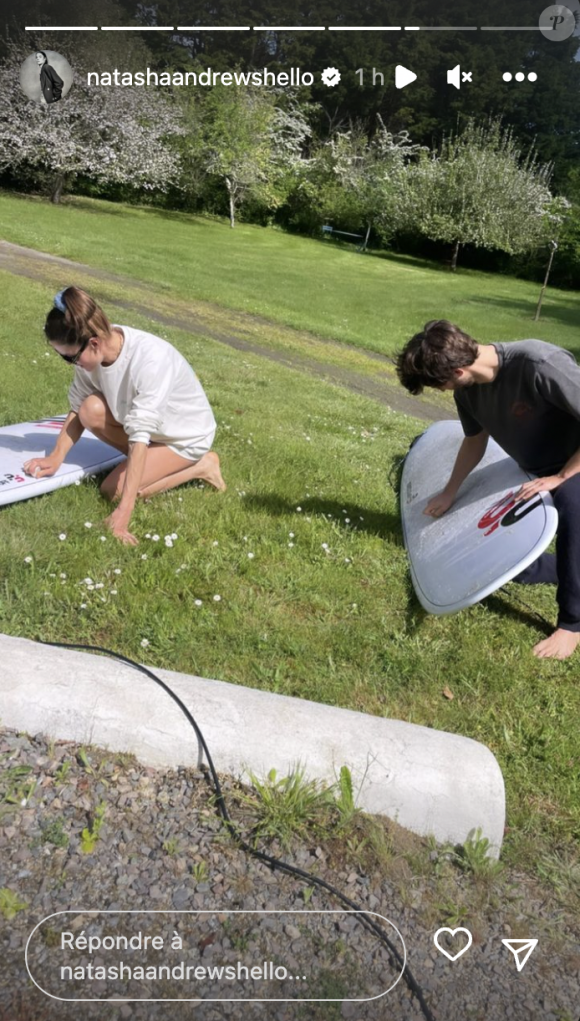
x: 91, y: 833
x: 200, y: 872
x: 345, y: 801
x: 289, y: 806
x: 62, y: 772
x: 53, y: 833
x: 13, y: 790
x: 307, y: 894
x: 473, y: 857
x: 171, y: 846
x: 84, y: 761
x: 452, y: 914
x: 50, y: 937
x: 10, y: 903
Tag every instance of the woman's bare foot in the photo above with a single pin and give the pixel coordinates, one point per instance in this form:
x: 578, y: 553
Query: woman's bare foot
x: 208, y: 469
x: 560, y: 645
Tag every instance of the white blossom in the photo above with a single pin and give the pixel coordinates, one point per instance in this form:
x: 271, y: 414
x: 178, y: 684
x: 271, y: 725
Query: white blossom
x: 112, y: 135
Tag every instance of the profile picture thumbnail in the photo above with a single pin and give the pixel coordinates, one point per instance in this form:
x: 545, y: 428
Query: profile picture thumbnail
x: 46, y: 77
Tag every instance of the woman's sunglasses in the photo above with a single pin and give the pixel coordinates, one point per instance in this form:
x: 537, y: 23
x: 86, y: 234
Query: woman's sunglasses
x: 73, y: 359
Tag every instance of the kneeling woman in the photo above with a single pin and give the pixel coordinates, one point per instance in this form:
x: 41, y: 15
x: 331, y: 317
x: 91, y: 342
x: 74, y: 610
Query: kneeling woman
x: 136, y: 392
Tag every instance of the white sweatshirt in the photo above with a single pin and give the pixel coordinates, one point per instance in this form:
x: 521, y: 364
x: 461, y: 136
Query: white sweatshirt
x: 154, y: 394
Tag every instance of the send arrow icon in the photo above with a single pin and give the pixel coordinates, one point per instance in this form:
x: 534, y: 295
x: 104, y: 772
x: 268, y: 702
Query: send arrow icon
x: 522, y: 949
x: 403, y: 76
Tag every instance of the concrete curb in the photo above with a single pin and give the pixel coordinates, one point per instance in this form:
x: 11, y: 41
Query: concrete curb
x: 429, y: 781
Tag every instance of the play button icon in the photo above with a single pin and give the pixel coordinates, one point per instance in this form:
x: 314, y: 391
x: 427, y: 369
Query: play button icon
x: 403, y: 76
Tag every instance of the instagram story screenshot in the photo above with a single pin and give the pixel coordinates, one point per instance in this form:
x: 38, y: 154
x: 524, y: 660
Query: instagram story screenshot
x: 290, y: 510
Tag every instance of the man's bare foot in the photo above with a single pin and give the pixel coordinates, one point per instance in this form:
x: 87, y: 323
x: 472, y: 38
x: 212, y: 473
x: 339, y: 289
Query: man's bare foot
x: 560, y: 645
x: 209, y: 470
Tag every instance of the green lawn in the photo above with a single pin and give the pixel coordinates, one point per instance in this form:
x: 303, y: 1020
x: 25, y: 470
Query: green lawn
x: 324, y: 608
x: 375, y: 302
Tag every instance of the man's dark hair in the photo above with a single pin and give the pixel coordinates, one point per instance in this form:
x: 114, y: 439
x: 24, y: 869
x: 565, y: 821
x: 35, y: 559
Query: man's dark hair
x: 430, y: 357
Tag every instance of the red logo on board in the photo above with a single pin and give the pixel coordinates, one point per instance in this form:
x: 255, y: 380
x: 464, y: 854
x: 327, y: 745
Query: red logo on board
x: 508, y: 511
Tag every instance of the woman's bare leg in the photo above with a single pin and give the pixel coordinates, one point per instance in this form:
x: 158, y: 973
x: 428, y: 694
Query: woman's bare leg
x: 96, y: 415
x: 164, y: 469
x: 207, y: 469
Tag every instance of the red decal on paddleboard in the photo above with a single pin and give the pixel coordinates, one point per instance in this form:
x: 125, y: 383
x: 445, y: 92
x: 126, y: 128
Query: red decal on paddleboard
x: 493, y: 516
x: 8, y: 477
x: 50, y: 423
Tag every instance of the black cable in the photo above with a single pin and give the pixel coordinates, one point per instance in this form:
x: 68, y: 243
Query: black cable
x: 275, y: 863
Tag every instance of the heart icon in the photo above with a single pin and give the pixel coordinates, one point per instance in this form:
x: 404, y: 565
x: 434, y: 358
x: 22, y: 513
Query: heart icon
x: 453, y: 932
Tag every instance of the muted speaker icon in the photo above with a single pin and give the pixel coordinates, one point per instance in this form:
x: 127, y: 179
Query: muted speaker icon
x: 456, y: 76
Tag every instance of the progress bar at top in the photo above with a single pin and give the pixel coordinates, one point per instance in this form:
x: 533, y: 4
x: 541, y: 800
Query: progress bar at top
x: 282, y: 28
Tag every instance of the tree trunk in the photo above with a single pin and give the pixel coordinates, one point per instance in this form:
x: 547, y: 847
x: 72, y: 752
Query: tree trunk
x: 363, y: 247
x: 58, y: 188
x: 456, y: 248
x: 553, y: 246
x: 231, y: 193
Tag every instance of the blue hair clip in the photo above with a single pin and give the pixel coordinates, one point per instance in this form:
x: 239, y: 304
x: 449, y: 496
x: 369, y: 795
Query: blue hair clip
x: 58, y: 300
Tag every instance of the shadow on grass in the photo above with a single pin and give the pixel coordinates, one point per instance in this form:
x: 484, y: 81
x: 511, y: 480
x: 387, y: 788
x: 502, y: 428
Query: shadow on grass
x: 506, y: 603
x: 89, y: 205
x: 567, y: 315
x: 385, y: 525
x: 410, y: 261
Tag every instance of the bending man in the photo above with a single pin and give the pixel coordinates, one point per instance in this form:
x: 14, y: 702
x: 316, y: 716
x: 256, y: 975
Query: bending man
x: 526, y: 395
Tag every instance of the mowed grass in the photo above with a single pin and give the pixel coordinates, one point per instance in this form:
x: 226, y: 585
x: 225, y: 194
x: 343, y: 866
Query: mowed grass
x: 372, y: 301
x: 322, y: 608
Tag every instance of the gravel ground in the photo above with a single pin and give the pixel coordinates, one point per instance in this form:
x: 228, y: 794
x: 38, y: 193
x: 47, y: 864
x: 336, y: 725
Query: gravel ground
x: 159, y: 845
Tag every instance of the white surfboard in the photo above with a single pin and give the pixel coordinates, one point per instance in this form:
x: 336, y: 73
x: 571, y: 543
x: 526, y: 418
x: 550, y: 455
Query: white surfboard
x: 20, y: 443
x: 485, y: 539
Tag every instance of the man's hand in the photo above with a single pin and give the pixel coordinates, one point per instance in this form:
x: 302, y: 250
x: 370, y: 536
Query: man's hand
x: 545, y: 485
x: 118, y: 524
x: 439, y: 504
x: 42, y: 467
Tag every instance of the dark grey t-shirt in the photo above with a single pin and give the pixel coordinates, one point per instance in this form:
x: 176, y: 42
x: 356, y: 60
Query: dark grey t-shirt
x: 532, y: 407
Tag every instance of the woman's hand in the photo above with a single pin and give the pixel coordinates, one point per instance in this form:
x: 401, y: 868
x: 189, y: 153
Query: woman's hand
x: 118, y: 524
x: 545, y: 485
x: 42, y: 467
x: 439, y: 504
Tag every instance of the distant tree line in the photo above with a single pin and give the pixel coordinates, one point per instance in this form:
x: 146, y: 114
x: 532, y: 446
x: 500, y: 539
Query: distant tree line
x: 402, y: 169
